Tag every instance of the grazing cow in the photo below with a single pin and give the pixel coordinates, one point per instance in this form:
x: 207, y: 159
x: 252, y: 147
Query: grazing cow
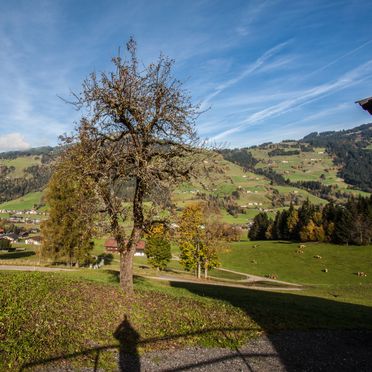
x: 361, y: 273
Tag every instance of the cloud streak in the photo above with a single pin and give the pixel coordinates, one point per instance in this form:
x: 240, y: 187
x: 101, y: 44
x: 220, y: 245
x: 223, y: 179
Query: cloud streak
x: 255, y: 66
x: 350, y: 78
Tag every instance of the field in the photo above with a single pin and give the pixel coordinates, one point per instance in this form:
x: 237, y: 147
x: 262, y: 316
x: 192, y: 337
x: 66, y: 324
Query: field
x: 314, y: 165
x: 20, y: 164
x: 86, y: 307
x: 255, y: 192
x: 24, y: 203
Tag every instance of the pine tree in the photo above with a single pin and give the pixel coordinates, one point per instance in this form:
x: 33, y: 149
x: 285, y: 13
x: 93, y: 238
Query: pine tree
x: 260, y: 226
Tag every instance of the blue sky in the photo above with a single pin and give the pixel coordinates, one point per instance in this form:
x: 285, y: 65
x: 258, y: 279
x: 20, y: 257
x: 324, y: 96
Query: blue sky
x: 267, y: 70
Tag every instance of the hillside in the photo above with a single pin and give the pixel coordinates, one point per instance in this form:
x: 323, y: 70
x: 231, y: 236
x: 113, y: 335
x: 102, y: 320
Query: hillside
x: 242, y: 181
x: 330, y: 165
x: 23, y: 172
x: 352, y: 153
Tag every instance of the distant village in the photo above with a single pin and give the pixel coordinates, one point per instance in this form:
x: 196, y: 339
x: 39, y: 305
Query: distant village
x: 17, y: 234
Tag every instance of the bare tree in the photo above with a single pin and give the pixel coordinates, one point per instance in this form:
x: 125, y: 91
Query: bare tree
x: 138, y: 128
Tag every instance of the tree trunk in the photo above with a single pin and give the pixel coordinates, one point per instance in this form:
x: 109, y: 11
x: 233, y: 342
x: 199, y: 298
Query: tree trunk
x: 126, y: 254
x: 198, y: 273
x: 206, y: 271
x: 126, y: 271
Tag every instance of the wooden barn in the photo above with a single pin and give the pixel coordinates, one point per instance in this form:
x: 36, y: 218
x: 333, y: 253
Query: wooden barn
x: 111, y: 246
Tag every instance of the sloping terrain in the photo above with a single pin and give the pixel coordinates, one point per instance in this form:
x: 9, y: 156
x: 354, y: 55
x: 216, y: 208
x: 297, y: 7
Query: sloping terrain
x: 242, y: 182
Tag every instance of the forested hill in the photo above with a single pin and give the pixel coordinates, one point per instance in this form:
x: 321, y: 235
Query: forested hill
x: 323, y: 166
x: 326, y: 164
x: 22, y: 172
x: 352, y: 149
x: 360, y: 137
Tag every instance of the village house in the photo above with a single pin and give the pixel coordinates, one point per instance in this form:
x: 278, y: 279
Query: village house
x: 111, y: 246
x: 11, y: 236
x: 35, y: 240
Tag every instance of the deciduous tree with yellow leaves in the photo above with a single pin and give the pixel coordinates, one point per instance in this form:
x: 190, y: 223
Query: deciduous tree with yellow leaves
x: 198, y: 241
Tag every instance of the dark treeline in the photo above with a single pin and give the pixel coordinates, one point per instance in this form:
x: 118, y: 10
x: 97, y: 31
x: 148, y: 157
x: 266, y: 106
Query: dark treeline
x: 38, y: 151
x: 356, y: 165
x: 240, y: 157
x: 281, y: 152
x: 350, y: 223
x: 274, y: 177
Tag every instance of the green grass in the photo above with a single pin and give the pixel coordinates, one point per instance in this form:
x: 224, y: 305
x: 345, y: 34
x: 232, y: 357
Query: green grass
x: 280, y: 258
x: 67, y: 317
x: 25, y: 202
x: 20, y: 164
x: 64, y: 319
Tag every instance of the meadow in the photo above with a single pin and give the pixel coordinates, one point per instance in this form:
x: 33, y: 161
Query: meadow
x: 86, y: 306
x: 26, y: 202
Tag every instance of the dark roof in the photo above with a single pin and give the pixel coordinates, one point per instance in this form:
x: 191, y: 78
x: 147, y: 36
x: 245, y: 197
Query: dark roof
x: 12, y: 235
x: 366, y: 104
x: 112, y: 243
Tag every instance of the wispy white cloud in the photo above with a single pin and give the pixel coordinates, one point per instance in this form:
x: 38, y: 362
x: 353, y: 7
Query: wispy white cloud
x: 13, y: 141
x: 355, y: 76
x: 351, y: 52
x: 256, y: 65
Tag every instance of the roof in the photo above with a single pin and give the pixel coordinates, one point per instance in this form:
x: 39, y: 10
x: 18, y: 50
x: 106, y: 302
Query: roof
x: 112, y: 243
x: 11, y: 235
x: 36, y: 238
x: 366, y: 104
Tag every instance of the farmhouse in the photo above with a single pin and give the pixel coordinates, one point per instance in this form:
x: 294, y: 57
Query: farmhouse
x: 35, y: 240
x: 11, y: 236
x: 111, y: 245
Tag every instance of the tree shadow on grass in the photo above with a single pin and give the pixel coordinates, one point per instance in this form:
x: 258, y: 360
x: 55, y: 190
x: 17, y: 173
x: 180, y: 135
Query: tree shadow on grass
x: 128, y: 338
x: 307, y: 333
x: 128, y: 355
x: 284, y: 317
x: 16, y: 254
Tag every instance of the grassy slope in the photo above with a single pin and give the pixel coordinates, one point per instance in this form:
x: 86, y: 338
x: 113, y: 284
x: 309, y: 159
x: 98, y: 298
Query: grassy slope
x: 255, y: 191
x: 68, y: 316
x: 280, y: 258
x: 307, y: 166
x: 25, y: 202
x: 20, y: 164
x: 45, y: 315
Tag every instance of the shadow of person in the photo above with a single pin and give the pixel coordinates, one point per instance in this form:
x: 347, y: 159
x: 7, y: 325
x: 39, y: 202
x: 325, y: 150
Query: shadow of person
x: 129, y: 360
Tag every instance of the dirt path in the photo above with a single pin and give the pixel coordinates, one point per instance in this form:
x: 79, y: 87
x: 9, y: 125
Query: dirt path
x: 251, y: 279
x: 255, y: 278
x: 32, y: 268
x: 295, y: 287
